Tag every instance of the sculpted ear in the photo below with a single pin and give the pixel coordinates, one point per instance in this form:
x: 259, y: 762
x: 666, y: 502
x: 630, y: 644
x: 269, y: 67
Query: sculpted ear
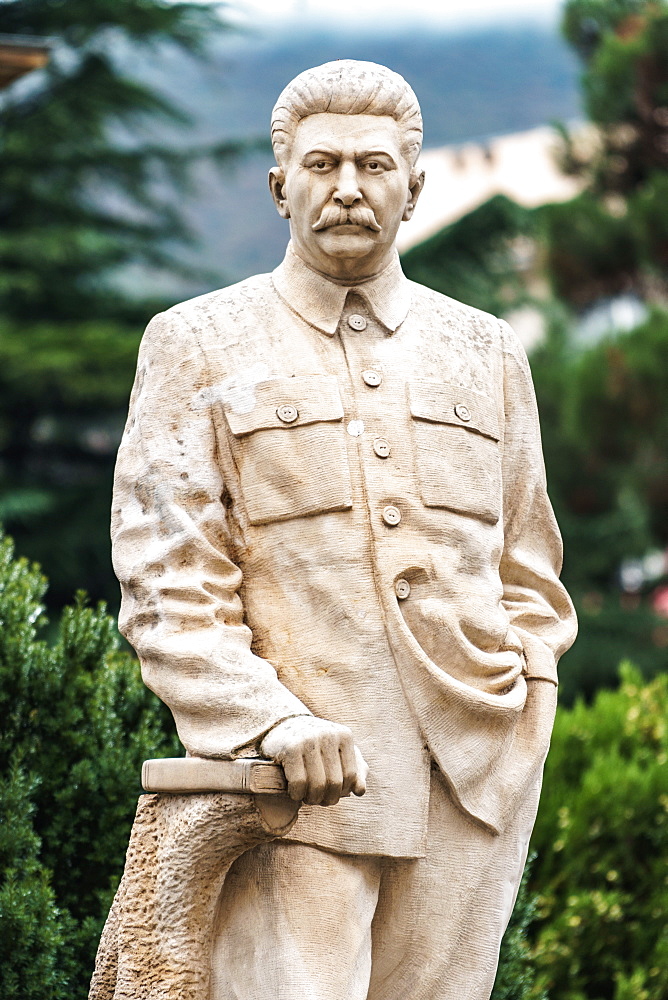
x: 276, y: 182
x: 415, y: 186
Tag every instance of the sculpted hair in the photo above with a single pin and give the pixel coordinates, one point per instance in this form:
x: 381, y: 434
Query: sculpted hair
x: 346, y: 87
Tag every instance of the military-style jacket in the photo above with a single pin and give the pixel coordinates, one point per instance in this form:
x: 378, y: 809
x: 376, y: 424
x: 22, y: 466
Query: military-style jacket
x: 331, y: 499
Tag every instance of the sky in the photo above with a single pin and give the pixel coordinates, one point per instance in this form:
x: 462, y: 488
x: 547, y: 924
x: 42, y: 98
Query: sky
x: 441, y: 12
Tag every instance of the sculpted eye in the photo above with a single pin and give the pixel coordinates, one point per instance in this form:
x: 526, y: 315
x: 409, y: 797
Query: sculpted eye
x: 378, y: 166
x: 320, y: 166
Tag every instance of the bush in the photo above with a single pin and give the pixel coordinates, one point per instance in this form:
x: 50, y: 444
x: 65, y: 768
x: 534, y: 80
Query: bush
x: 35, y: 956
x: 602, y: 843
x: 76, y: 723
x: 515, y: 979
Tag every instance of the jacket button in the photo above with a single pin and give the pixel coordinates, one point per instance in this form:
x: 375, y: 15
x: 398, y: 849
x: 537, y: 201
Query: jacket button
x: 391, y: 515
x: 402, y: 589
x: 287, y: 413
x: 372, y: 378
x: 356, y: 322
x: 462, y: 412
x: 381, y: 446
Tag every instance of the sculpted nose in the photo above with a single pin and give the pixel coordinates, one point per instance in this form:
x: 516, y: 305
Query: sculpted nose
x: 347, y: 191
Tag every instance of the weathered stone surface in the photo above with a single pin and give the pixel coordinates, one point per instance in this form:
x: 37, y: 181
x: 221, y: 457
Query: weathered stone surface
x: 337, y: 552
x: 156, y: 944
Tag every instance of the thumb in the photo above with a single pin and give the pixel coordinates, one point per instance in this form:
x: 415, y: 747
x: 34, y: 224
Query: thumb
x: 359, y: 787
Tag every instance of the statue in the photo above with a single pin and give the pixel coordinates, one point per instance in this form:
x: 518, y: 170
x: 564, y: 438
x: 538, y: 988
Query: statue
x: 337, y: 553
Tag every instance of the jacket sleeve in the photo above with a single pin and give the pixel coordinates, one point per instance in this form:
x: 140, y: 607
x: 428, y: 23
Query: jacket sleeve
x: 541, y: 614
x: 171, y: 546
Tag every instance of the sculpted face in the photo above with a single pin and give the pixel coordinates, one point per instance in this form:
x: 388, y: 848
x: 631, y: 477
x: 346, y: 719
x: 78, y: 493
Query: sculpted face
x: 346, y: 186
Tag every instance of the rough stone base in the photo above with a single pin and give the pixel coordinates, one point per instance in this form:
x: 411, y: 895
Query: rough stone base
x: 156, y: 943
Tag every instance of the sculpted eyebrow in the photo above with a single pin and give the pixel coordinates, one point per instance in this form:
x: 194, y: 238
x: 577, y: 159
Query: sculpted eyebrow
x: 319, y: 152
x: 377, y: 154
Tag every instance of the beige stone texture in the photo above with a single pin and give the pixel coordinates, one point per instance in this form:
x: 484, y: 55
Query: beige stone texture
x: 156, y: 943
x: 185, y: 775
x: 282, y: 599
x: 296, y: 921
x: 337, y: 552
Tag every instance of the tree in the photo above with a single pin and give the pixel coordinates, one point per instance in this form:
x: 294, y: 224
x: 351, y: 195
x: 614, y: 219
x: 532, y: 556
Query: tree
x: 615, y: 236
x: 602, y: 404
x: 91, y: 180
x: 475, y: 258
x: 76, y: 723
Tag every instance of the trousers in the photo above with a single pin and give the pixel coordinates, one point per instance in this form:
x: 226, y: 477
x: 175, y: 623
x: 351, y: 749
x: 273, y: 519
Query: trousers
x: 296, y: 922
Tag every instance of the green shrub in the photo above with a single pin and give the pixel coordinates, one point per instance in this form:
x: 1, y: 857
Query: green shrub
x: 35, y: 956
x: 76, y: 722
x: 602, y: 844
x: 515, y: 979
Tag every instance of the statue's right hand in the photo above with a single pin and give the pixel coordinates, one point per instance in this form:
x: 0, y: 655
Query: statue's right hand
x: 319, y: 758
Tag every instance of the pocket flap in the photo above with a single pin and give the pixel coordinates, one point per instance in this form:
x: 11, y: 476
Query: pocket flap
x: 441, y: 403
x: 303, y: 399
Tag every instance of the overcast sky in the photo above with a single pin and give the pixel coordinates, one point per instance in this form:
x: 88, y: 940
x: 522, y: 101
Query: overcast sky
x: 443, y: 12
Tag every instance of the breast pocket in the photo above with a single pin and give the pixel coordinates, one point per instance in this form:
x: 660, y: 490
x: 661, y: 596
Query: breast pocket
x: 290, y: 449
x: 456, y: 434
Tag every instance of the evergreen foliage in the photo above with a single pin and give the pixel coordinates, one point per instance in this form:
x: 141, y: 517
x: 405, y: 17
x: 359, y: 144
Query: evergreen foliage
x: 474, y: 260
x: 88, y: 186
x: 602, y: 843
x: 35, y: 953
x: 602, y: 405
x: 615, y: 236
x: 516, y: 979
x: 76, y: 723
x: 607, y: 415
x: 604, y: 426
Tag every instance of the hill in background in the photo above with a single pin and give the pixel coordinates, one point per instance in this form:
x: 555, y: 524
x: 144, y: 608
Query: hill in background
x: 471, y: 85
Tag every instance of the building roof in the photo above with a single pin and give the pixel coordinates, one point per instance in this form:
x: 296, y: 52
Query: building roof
x: 19, y: 55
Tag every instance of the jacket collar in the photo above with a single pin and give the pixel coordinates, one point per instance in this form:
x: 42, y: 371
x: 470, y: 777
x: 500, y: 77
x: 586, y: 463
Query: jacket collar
x: 320, y: 301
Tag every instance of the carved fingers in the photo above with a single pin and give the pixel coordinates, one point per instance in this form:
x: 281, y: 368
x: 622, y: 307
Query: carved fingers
x: 319, y: 758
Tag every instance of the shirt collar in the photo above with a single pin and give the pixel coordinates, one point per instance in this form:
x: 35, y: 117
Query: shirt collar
x: 320, y: 301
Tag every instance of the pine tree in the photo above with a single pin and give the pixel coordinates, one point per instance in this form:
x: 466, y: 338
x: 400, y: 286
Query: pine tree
x: 603, y: 404
x: 614, y: 238
x: 93, y: 170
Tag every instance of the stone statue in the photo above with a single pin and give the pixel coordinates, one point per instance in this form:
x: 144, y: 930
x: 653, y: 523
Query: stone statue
x: 337, y: 553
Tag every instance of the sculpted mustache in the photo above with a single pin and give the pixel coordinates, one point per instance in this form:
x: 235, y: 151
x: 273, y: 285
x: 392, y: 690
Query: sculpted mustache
x: 335, y: 215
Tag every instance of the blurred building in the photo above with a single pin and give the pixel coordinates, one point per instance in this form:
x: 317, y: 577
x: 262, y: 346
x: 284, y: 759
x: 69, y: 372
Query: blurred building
x: 523, y: 166
x: 20, y: 55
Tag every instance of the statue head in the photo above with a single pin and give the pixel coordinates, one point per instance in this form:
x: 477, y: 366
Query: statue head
x: 346, y: 137
x: 347, y: 87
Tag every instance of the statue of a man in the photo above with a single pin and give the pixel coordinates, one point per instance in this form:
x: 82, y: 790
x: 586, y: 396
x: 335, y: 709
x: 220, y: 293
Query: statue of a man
x: 336, y: 551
